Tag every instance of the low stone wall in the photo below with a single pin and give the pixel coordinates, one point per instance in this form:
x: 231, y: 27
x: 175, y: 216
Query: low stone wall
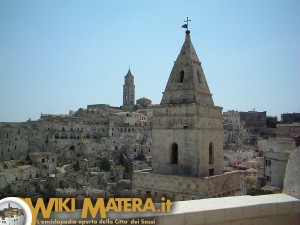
x: 259, y: 210
x: 275, y: 209
x: 200, y: 187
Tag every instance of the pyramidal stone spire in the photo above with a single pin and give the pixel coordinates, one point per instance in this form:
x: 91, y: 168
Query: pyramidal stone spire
x: 187, y: 82
x: 129, y: 73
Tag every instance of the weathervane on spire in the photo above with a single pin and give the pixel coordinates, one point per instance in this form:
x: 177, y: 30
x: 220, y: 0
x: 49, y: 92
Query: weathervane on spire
x: 186, y: 25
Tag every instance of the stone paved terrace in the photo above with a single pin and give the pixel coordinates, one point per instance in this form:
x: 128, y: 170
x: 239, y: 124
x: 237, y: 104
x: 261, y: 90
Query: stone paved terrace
x: 275, y: 209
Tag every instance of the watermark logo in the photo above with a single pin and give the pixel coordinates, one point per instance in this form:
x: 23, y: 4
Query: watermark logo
x: 96, y: 209
x: 15, y: 211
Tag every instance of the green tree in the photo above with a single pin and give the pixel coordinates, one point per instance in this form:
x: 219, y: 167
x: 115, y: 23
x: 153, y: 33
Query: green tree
x: 272, y: 121
x: 105, y: 164
x: 140, y: 157
x: 254, y: 192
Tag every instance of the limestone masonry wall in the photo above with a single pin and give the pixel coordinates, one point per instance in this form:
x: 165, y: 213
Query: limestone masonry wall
x: 201, y: 187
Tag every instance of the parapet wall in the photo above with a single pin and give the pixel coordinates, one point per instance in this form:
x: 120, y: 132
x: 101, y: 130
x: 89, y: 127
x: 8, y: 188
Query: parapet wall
x: 259, y: 210
x: 275, y: 209
x: 200, y: 187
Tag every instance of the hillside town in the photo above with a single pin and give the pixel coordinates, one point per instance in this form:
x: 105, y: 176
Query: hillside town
x: 107, y: 151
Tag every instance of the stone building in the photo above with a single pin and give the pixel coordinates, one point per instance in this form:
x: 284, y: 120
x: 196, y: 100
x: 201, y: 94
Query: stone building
x: 232, y: 117
x: 66, y: 150
x: 143, y: 102
x: 117, y: 173
x: 232, y: 127
x: 271, y: 167
x: 14, y: 140
x: 128, y: 92
x: 254, y: 123
x: 291, y: 130
x: 243, y: 127
x: 45, y: 161
x: 132, y: 132
x: 290, y: 118
x: 187, y: 136
x: 275, y: 164
x: 21, y: 179
x: 254, y: 118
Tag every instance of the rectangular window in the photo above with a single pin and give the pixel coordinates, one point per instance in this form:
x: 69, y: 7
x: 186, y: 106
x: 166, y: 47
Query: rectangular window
x: 268, y: 178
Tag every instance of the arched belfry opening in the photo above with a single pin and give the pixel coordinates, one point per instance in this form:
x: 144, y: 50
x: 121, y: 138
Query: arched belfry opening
x: 174, y: 154
x: 211, y: 154
x: 181, y: 76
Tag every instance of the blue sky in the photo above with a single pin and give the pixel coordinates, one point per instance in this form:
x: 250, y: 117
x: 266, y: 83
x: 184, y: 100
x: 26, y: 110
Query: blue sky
x: 57, y: 56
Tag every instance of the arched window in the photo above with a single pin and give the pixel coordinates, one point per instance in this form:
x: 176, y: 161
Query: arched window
x: 174, y: 154
x: 211, y: 154
x: 181, y: 76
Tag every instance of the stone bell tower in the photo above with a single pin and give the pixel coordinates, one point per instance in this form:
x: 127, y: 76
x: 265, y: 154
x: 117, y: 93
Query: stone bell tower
x: 187, y: 127
x: 128, y: 92
x: 187, y: 138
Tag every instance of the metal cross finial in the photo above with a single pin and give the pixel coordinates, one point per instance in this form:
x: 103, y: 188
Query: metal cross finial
x: 187, y: 23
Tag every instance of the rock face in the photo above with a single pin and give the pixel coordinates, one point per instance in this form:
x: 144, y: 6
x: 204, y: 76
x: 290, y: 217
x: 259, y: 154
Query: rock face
x: 291, y: 184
